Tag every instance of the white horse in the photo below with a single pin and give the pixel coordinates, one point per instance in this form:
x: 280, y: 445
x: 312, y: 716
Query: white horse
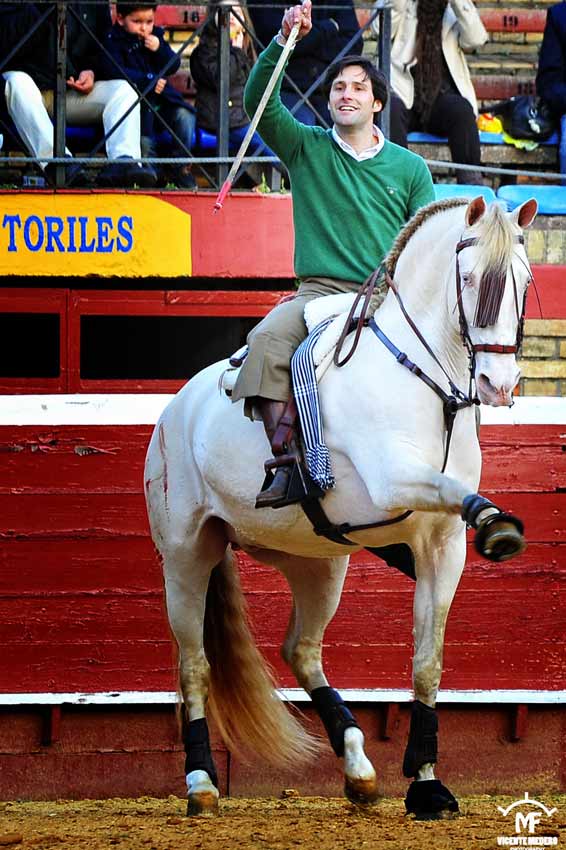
x: 461, y: 273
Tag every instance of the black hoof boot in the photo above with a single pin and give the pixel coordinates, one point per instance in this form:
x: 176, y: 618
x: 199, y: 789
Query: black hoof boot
x: 500, y: 537
x: 430, y: 800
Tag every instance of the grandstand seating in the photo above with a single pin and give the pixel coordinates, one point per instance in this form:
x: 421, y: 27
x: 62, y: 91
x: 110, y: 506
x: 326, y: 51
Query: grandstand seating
x: 549, y: 155
x: 485, y: 138
x: 494, y: 19
x: 462, y: 190
x: 501, y: 69
x: 180, y: 17
x: 551, y: 199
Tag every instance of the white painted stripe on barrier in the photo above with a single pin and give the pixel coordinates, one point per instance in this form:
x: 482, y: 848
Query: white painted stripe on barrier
x: 353, y: 695
x: 79, y: 409
x: 145, y: 408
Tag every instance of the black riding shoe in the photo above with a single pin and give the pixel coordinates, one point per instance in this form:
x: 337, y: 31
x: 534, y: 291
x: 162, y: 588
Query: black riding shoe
x: 275, y: 494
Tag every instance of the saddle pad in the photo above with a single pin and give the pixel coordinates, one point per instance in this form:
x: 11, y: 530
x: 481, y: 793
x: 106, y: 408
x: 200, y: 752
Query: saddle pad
x: 327, y: 307
x: 316, y: 311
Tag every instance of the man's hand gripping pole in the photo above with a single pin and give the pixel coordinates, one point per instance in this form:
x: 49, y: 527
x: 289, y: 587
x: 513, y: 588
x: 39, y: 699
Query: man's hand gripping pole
x: 227, y: 185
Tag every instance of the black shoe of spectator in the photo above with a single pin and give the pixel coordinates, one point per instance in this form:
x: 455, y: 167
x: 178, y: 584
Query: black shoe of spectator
x: 75, y: 175
x: 185, y: 180
x: 127, y: 173
x: 144, y: 176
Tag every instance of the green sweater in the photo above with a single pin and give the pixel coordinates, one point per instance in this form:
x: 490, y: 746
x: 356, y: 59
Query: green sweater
x: 346, y: 213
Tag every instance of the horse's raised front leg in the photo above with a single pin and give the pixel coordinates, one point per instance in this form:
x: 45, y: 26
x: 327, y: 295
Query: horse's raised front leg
x: 317, y: 585
x: 418, y: 487
x: 437, y: 580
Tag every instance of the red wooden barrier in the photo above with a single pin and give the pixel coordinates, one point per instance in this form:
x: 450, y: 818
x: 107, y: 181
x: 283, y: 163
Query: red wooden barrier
x: 207, y: 247
x: 72, y: 307
x: 81, y: 605
x: 81, y: 612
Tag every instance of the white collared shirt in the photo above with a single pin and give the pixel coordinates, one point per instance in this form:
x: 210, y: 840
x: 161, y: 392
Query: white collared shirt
x: 369, y: 153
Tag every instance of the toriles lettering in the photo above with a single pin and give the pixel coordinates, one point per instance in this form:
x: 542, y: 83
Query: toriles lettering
x: 70, y: 234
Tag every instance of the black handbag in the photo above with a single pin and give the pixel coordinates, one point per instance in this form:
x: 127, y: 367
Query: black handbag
x: 525, y: 117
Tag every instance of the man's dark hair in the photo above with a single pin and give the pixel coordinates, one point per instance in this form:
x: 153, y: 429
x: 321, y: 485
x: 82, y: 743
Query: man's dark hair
x: 376, y: 77
x: 124, y: 9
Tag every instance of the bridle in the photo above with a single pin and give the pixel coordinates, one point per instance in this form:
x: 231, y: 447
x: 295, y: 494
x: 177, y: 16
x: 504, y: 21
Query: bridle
x: 452, y: 402
x: 457, y: 399
x: 464, y: 329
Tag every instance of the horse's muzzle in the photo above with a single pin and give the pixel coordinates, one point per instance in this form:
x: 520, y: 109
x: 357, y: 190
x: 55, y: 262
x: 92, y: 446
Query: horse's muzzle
x: 495, y: 396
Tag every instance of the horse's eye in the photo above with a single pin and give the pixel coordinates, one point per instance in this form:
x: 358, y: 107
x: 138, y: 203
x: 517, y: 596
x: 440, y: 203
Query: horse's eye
x: 468, y: 279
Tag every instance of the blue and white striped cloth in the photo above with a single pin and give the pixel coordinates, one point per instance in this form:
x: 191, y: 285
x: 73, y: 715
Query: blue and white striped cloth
x: 305, y: 389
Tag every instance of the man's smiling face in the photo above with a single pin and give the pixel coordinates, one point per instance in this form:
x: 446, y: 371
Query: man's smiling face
x: 351, y: 101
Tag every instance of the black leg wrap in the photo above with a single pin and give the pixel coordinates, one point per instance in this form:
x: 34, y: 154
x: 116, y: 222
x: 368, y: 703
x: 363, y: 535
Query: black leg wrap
x: 474, y: 505
x: 197, y: 748
x: 429, y: 799
x: 335, y: 715
x: 422, y: 747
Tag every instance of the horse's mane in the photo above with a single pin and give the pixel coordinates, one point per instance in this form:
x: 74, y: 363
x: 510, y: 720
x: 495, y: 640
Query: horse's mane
x: 413, y: 225
x: 496, y: 234
x: 494, y: 230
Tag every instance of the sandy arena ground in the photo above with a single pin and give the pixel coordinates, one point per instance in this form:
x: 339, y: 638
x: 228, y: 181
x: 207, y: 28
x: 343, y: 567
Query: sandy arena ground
x: 313, y: 823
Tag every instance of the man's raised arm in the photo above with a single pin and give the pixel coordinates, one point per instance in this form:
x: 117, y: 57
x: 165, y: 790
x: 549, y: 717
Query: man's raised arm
x: 277, y: 127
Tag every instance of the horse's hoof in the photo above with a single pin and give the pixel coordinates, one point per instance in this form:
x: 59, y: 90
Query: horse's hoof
x: 363, y: 792
x: 430, y: 800
x: 500, y: 537
x: 443, y: 815
x: 203, y: 804
x: 203, y: 795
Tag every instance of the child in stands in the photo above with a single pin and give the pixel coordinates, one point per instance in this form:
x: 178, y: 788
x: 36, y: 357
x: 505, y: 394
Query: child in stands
x: 142, y: 56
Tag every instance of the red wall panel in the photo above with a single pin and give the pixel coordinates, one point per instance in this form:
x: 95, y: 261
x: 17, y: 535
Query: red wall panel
x: 81, y: 605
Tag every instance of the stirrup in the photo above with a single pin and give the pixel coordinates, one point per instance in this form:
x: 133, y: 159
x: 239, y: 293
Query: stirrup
x: 300, y: 485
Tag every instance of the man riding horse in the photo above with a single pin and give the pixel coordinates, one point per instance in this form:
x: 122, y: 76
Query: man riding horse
x: 353, y: 191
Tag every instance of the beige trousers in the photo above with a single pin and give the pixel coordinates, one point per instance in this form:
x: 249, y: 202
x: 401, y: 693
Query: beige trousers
x: 266, y: 370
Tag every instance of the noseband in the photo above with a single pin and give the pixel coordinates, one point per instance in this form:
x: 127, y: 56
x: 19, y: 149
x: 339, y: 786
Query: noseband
x: 492, y: 315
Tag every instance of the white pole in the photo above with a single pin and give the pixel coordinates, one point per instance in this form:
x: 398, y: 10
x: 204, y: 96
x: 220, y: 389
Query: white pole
x: 227, y: 185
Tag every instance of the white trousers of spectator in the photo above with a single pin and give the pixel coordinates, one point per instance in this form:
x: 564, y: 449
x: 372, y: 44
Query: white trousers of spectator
x: 30, y: 110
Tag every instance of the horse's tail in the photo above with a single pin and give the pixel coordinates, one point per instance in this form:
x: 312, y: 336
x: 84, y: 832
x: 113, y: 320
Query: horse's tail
x: 242, y: 698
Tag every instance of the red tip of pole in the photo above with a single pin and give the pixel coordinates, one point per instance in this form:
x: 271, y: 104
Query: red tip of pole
x: 226, y: 186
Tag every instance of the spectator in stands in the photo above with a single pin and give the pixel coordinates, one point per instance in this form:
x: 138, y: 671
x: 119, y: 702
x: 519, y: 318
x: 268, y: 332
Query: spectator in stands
x: 143, y: 56
x: 205, y: 73
x: 352, y: 193
x: 29, y: 81
x: 551, y: 75
x: 332, y: 30
x: 431, y: 86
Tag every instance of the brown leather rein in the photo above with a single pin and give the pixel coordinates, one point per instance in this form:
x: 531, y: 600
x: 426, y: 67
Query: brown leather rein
x: 452, y: 402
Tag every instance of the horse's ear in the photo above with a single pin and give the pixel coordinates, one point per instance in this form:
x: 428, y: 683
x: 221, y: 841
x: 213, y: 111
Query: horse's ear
x: 476, y: 209
x: 525, y: 214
